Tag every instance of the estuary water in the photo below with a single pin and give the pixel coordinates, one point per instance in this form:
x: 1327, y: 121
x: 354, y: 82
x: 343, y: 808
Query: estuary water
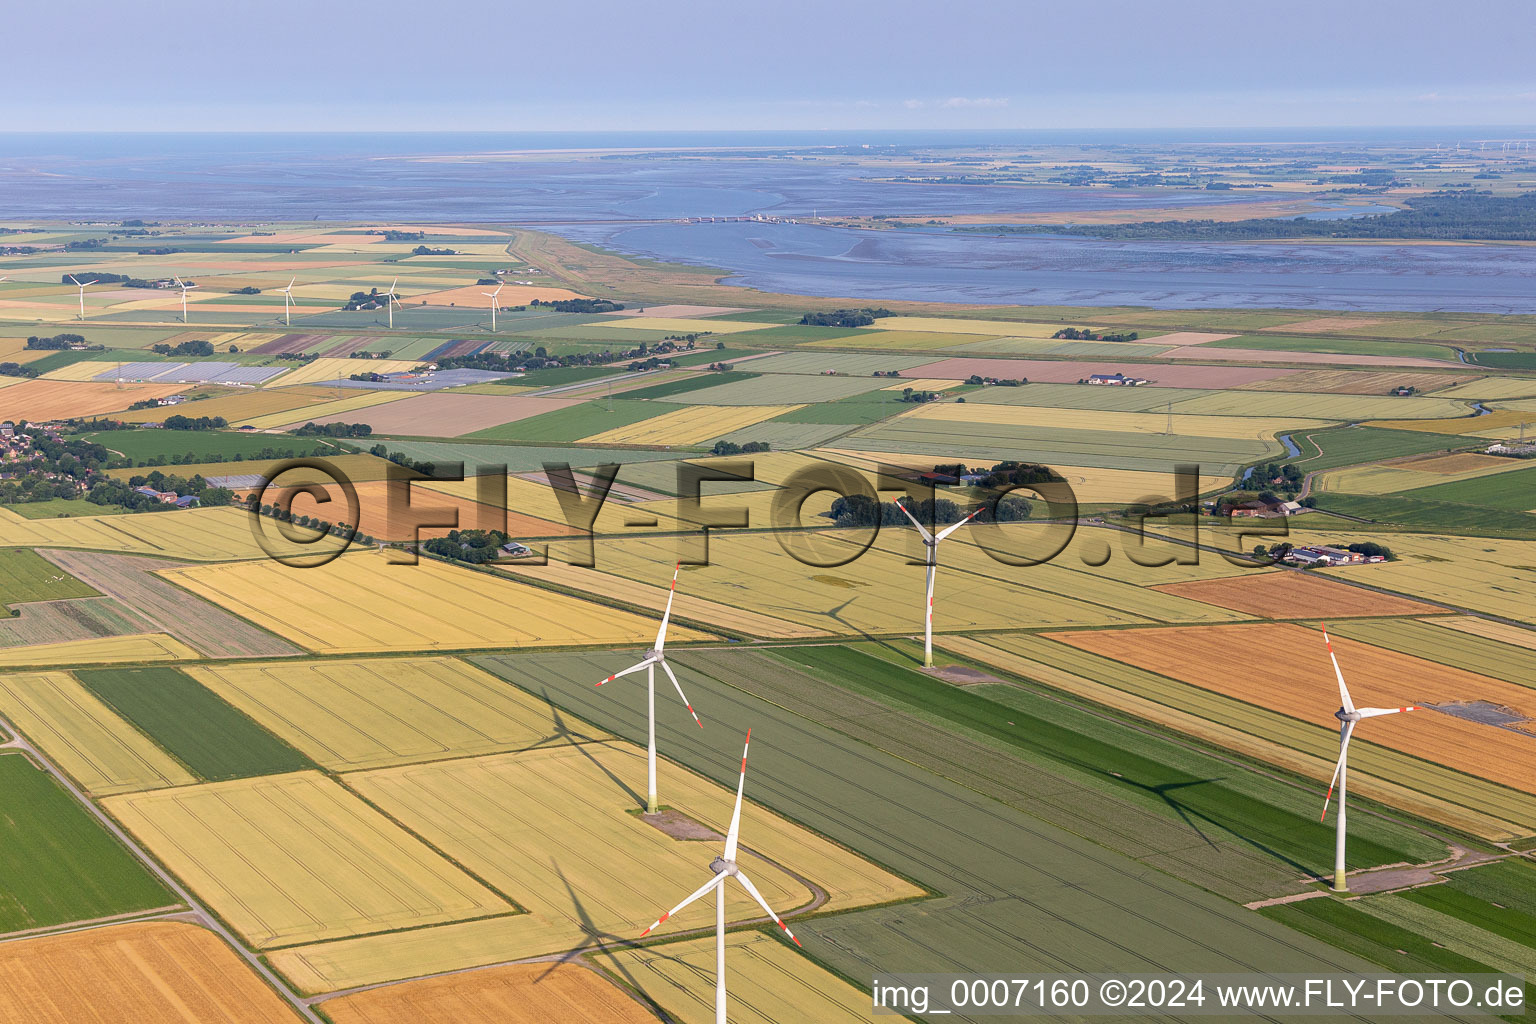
x: 619, y: 190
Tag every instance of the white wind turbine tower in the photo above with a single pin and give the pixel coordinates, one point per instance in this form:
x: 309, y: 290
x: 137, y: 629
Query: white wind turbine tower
x: 287, y: 299
x: 656, y: 656
x: 1347, y: 715
x: 184, y: 287
x: 725, y: 867
x: 932, y: 543
x: 82, y: 288
x: 391, y: 301
x: 492, y: 297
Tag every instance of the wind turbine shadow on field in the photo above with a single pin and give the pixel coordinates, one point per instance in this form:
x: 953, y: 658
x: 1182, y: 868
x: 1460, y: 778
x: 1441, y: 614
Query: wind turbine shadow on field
x: 1185, y: 811
x: 579, y: 743
x: 836, y: 615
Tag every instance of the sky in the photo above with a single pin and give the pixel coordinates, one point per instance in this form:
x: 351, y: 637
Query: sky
x: 594, y: 65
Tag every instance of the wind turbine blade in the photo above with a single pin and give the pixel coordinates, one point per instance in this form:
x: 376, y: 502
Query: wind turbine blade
x: 734, y: 834
x: 661, y: 634
x: 695, y: 714
x: 1348, y: 704
x: 75, y: 279
x: 920, y: 527
x: 957, y: 526
x: 747, y: 884
x: 632, y: 668
x: 1344, y: 733
x: 702, y: 890
x: 1378, y: 712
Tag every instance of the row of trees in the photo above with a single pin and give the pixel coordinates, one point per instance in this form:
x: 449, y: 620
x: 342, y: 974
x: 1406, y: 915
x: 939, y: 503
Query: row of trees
x: 860, y: 510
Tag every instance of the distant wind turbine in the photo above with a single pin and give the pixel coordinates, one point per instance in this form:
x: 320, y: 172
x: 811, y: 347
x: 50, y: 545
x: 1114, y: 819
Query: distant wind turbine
x: 287, y: 300
x: 725, y: 867
x: 183, y: 286
x: 1347, y: 715
x: 492, y: 297
x: 656, y: 656
x: 82, y: 288
x: 932, y: 543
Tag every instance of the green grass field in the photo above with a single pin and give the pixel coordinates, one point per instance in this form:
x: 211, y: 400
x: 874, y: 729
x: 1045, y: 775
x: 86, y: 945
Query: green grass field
x: 201, y: 445
x: 1499, y: 898
x: 1350, y: 446
x: 1337, y: 346
x: 785, y: 389
x: 686, y: 384
x: 1346, y: 927
x: 575, y: 422
x: 1506, y: 360
x: 1514, y: 491
x: 705, y: 356
x: 1407, y: 513
x: 198, y: 727
x: 561, y: 375
x: 27, y: 576
x: 870, y: 407
x: 55, y: 507
x: 60, y: 864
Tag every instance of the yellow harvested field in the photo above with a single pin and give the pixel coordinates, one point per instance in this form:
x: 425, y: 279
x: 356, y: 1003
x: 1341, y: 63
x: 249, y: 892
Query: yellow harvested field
x: 1261, y: 428
x: 196, y: 534
x: 1356, y: 382
x: 1490, y: 388
x: 330, y: 368
x: 81, y: 371
x: 84, y: 737
x: 1478, y: 573
x: 537, y: 500
x: 682, y: 325
x: 392, y: 511
x: 880, y: 591
x: 362, y: 604
x: 924, y: 384
x: 769, y: 981
x: 1294, y: 595
x: 1406, y: 474
x: 947, y: 325
x: 1501, y: 631
x: 168, y: 972
x: 547, y: 827
x: 297, y: 858
x: 1499, y: 420
x: 42, y: 400
x: 1203, y: 656
x: 350, y: 715
x: 100, y: 650
x: 1307, y: 748
x: 510, y: 994
x: 241, y: 407
x: 654, y: 597
x: 689, y: 426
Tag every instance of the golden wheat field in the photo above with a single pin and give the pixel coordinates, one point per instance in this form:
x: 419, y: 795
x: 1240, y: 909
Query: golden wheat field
x: 42, y: 400
x: 689, y: 426
x: 1259, y: 428
x: 374, y: 713
x: 546, y: 827
x: 770, y: 981
x: 168, y: 972
x: 329, y: 368
x: 102, y: 650
x: 510, y: 994
x: 84, y: 737
x: 194, y: 534
x: 297, y: 858
x: 362, y: 603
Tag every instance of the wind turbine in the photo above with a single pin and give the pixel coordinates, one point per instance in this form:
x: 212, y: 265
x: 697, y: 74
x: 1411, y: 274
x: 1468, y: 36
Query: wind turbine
x: 725, y: 867
x: 391, y: 301
x: 287, y: 298
x: 82, y: 288
x: 183, y: 286
x: 1347, y: 715
x: 492, y: 297
x: 932, y: 543
x: 656, y: 656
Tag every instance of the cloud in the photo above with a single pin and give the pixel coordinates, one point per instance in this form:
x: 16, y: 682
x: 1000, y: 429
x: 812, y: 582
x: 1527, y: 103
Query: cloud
x: 958, y: 103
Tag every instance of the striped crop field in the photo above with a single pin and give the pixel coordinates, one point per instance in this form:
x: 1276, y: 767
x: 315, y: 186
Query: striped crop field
x: 362, y: 604
x: 376, y: 713
x: 296, y: 858
x: 1307, y: 747
x: 84, y: 737
x: 1202, y: 656
x: 509, y: 994
x: 692, y: 425
x: 100, y: 650
x: 196, y: 534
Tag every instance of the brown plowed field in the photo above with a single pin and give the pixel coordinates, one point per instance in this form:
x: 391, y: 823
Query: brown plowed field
x: 1298, y: 681
x: 159, y: 971
x: 447, y: 414
x: 514, y: 994
x: 1052, y: 371
x: 1292, y: 595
